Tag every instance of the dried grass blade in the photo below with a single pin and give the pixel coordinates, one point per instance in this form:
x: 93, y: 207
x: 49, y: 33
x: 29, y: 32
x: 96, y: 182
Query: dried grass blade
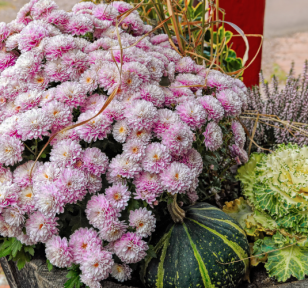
x: 253, y: 133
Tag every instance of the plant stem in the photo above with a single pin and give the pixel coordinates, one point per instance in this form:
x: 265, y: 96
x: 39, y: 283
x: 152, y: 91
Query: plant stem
x: 36, y: 144
x: 29, y: 148
x: 177, y: 214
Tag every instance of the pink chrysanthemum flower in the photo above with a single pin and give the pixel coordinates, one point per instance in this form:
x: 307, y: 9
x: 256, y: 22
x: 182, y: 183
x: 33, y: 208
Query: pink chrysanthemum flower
x: 156, y: 159
x: 6, y: 230
x: 216, y: 79
x: 100, y: 211
x: 142, y: 114
x: 170, y: 97
x: 82, y: 242
x: 118, y: 196
x: 11, y: 150
x: 49, y: 200
x: 58, y: 45
x: 94, y: 102
x: 239, y: 134
x: 98, y: 264
x: 4, y: 31
x: 66, y: 152
x: 89, y: 80
x: 79, y: 25
x: 192, y: 113
x: 95, y: 161
x: 22, y: 175
x: 25, y: 239
x: 33, y: 124
x: 94, y: 183
x: 28, y: 64
x: 176, y: 178
x: 26, y: 199
x: 8, y: 126
x: 239, y: 154
x: 72, y: 183
x: 24, y: 15
x: 42, y: 8
x: 12, y: 42
x: 59, y: 18
x: 59, y: 113
x: 28, y: 100
x: 71, y: 93
x: 144, y: 135
x: 7, y: 59
x: 41, y: 228
x: 230, y: 101
x: 31, y: 37
x: 63, y: 135
x: 39, y: 81
x: 14, y: 216
x: 91, y: 282
x: 133, y: 75
x: 166, y: 117
x: 192, y: 196
x: 185, y: 65
x: 134, y: 22
x: 193, y: 160
x: 124, y: 167
x: 213, y: 137
x: 157, y: 39
x: 213, y: 107
x: 113, y: 231
x: 188, y: 79
x: 144, y: 222
x: 58, y: 252
x: 97, y: 128
x: 56, y: 71
x: 150, y: 182
x: 134, y: 150
x: 109, y: 77
x: 5, y: 175
x: 179, y: 90
x: 105, y: 12
x: 115, y: 110
x: 153, y: 93
x: 122, y: 6
x: 121, y: 272
x: 178, y: 138
x: 130, y: 248
x: 76, y: 63
x: 120, y: 131
x: 83, y: 6
x: 8, y: 194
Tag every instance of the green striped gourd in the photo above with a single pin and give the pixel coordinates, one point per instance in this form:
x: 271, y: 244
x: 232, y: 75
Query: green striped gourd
x: 191, y: 253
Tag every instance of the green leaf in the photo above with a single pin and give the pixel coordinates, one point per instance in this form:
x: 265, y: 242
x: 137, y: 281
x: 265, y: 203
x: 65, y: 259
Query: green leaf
x: 73, y: 277
x: 49, y: 265
x: 16, y: 246
x: 151, y: 252
x: 29, y: 249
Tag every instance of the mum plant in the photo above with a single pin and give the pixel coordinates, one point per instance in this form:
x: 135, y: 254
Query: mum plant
x: 275, y: 186
x: 92, y: 148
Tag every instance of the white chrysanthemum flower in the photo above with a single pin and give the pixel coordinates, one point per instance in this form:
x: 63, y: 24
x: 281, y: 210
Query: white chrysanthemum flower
x: 26, y: 199
x: 144, y: 222
x: 7, y: 230
x: 28, y: 100
x: 121, y: 272
x: 11, y: 150
x: 153, y: 93
x: 14, y: 216
x: 120, y: 131
x: 134, y: 149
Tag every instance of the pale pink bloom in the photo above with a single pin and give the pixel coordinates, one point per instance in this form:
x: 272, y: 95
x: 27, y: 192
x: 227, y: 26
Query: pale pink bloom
x: 25, y: 239
x: 49, y: 200
x: 4, y: 31
x: 28, y: 100
x: 143, y: 134
x: 72, y: 183
x: 230, y: 101
x: 130, y: 248
x: 165, y: 44
x: 178, y: 138
x: 216, y: 79
x: 59, y: 113
x: 83, y: 242
x: 58, y: 252
x: 134, y: 149
x: 99, y: 211
x: 156, y: 159
x: 27, y: 65
x: 89, y: 80
x: 57, y: 71
x: 11, y: 150
x: 24, y: 15
x: 95, y: 161
x: 7, y: 59
x: 97, y: 128
x: 170, y: 97
x: 31, y: 37
x: 8, y: 126
x: 15, y: 27
x: 242, y: 95
x: 67, y: 134
x: 239, y: 154
x: 133, y: 75
x: 118, y: 196
x: 238, y: 133
x: 185, y: 65
x: 6, y: 230
x: 105, y: 12
x: 192, y: 113
x: 213, y: 107
x: 76, y: 63
x: 153, y: 93
x: 142, y: 114
x: 81, y: 44
x: 8, y: 194
x: 22, y: 175
x: 79, y: 25
x: 71, y: 93
x: 46, y: 173
x: 26, y: 199
x: 58, y: 45
x: 14, y: 216
x: 145, y: 195
x: 59, y: 18
x: 5, y: 175
x: 42, y: 8
x: 122, y: 6
x: 150, y: 182
x: 39, y: 81
x: 41, y: 228
x: 144, y: 222
x: 213, y: 137
x: 94, y: 102
x: 157, y: 39
x: 171, y: 54
x: 120, y: 131
x: 122, y: 166
x: 192, y: 196
x: 113, y: 231
x: 171, y: 71
x: 176, y: 178
x: 105, y: 43
x: 121, y: 272
x: 98, y: 264
x: 83, y: 6
x: 179, y: 90
x: 193, y: 160
x: 166, y: 117
x: 93, y: 183
x: 109, y: 77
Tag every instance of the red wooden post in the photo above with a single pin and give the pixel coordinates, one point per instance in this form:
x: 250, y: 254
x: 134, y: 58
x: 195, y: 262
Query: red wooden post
x: 249, y: 16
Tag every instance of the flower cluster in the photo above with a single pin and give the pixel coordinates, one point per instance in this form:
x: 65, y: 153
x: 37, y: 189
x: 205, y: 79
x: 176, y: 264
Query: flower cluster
x: 57, y: 69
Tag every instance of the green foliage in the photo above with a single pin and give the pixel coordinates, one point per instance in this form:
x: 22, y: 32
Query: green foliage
x: 275, y: 186
x: 73, y: 277
x: 49, y: 265
x: 16, y: 251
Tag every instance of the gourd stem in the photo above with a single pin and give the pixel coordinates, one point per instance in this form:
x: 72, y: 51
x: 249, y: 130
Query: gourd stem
x: 177, y: 214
